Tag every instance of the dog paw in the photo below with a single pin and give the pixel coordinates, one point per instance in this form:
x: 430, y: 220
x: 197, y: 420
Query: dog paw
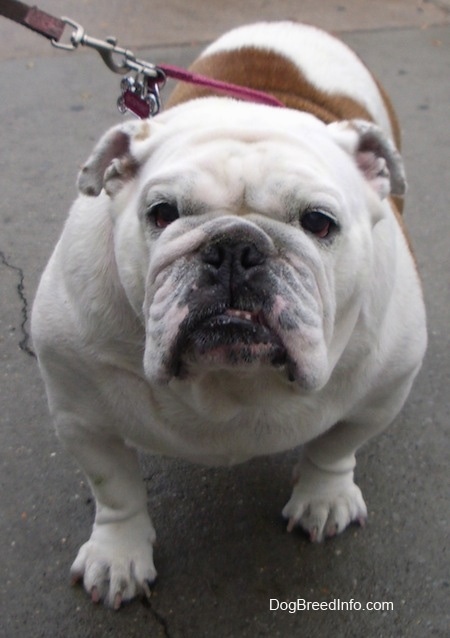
x: 324, y: 503
x: 116, y: 563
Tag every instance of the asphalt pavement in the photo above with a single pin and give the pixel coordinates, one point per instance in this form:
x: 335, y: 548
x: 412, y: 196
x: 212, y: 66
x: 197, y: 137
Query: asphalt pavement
x: 223, y: 552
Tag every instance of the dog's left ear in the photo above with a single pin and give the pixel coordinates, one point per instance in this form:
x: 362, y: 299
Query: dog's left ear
x: 112, y: 162
x: 375, y: 154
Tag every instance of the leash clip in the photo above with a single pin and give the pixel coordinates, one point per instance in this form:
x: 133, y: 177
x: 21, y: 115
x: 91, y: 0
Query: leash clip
x: 106, y: 48
x: 139, y: 95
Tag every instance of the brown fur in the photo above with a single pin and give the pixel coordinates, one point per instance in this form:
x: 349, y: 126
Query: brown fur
x: 274, y: 74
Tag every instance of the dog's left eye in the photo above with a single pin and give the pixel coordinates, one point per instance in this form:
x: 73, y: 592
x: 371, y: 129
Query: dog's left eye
x: 318, y: 223
x: 162, y: 214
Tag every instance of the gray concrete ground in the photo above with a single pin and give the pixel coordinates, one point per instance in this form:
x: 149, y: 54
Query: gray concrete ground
x: 223, y: 551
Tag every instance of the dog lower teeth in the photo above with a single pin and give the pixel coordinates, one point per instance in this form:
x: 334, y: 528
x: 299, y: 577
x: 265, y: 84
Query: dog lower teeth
x: 241, y: 314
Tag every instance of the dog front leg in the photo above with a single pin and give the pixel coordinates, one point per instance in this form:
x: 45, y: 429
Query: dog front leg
x: 116, y: 563
x: 325, y: 499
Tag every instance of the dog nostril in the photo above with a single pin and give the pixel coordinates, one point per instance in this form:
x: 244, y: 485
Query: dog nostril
x: 251, y: 256
x: 241, y: 255
x: 213, y: 255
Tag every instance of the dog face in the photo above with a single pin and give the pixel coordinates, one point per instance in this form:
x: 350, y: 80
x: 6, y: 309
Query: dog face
x: 243, y: 235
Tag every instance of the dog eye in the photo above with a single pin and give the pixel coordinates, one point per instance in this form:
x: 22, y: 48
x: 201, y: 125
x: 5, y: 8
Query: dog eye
x: 163, y: 214
x: 318, y: 223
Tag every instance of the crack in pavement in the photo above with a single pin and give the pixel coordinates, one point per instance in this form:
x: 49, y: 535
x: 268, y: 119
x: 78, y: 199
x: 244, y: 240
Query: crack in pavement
x: 24, y: 342
x: 162, y: 622
x: 25, y: 347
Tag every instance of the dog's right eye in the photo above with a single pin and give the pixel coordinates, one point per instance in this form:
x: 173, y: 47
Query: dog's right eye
x: 318, y: 223
x: 163, y: 214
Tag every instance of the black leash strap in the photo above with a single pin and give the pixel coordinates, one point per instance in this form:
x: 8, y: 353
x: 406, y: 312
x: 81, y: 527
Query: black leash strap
x: 38, y: 21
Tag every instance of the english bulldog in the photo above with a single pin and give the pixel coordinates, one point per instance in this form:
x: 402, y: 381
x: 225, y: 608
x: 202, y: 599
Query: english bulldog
x: 233, y: 280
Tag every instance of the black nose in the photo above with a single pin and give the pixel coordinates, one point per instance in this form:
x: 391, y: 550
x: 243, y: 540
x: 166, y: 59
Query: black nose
x: 236, y: 258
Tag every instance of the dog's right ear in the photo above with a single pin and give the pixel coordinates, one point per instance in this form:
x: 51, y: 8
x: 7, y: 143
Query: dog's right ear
x: 111, y: 163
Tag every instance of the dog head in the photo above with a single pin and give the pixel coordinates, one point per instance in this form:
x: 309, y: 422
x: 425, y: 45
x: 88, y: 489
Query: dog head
x: 243, y: 234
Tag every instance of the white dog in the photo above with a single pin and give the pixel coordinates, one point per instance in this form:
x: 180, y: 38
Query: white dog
x: 233, y: 280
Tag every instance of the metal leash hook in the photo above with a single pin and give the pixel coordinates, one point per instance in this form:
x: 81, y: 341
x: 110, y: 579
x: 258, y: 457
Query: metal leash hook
x: 139, y: 94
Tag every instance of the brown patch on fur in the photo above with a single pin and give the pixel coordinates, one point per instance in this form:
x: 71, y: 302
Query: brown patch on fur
x: 144, y: 133
x: 273, y: 73
x: 398, y: 203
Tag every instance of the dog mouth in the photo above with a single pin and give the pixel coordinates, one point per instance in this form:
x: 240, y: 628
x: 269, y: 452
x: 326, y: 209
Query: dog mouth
x: 227, y: 338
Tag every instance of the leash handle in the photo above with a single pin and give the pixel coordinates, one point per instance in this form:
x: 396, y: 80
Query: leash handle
x: 33, y: 18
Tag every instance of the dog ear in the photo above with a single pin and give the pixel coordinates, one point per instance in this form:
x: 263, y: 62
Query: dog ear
x: 111, y: 163
x: 375, y: 154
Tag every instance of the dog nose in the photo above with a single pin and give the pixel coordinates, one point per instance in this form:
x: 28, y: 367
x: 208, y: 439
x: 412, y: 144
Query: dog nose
x: 233, y: 257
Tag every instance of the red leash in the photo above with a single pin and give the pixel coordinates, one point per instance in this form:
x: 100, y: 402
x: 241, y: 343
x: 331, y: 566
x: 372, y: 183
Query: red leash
x: 140, y: 94
x: 233, y: 90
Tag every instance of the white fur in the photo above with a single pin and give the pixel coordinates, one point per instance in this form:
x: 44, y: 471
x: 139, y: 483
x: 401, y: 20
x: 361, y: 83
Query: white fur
x: 113, y: 296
